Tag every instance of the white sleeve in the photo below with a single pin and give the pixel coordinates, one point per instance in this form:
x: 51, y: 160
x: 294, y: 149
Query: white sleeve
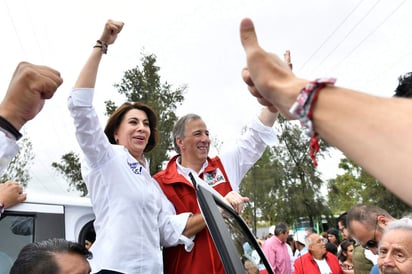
x: 240, y: 157
x: 8, y: 149
x: 172, y: 226
x: 89, y: 132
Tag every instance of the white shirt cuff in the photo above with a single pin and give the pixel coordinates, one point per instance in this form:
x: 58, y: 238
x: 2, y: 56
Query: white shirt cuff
x: 179, y: 223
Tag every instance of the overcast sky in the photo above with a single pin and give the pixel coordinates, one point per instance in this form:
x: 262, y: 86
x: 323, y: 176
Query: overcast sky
x: 366, y: 45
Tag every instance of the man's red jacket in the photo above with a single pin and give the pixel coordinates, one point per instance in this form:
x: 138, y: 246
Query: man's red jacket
x: 204, y: 257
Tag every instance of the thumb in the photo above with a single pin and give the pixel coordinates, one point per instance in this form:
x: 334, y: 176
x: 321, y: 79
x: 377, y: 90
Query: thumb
x: 248, y: 35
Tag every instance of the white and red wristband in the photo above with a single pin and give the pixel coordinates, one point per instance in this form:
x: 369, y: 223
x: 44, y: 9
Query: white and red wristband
x: 302, y: 109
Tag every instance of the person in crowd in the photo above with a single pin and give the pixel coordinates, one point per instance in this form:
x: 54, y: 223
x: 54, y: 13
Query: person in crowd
x: 29, y: 87
x: 342, y: 225
x: 345, y: 256
x: 363, y: 259
x: 309, y: 230
x: 332, y: 248
x: 52, y: 256
x: 395, y: 248
x: 345, y: 118
x: 291, y: 242
x: 276, y: 250
x: 250, y: 266
x: 125, y: 198
x: 317, y: 260
x: 333, y: 236
x: 300, y: 246
x: 291, y: 249
x: 223, y: 173
x: 366, y: 224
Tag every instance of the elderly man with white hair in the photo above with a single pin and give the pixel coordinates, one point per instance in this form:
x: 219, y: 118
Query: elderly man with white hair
x: 395, y: 248
x: 317, y: 260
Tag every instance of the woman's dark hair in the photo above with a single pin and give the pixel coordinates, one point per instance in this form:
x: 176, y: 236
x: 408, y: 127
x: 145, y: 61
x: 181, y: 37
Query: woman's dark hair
x: 332, y: 248
x: 344, y: 249
x: 117, y: 116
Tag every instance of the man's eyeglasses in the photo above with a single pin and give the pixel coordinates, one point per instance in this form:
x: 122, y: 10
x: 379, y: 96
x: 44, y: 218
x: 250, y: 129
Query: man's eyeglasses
x: 321, y: 241
x: 372, y: 243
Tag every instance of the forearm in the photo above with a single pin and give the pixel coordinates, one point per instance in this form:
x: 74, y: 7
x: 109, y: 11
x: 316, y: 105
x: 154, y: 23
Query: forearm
x: 195, y: 224
x: 353, y: 122
x: 88, y: 74
x: 268, y: 117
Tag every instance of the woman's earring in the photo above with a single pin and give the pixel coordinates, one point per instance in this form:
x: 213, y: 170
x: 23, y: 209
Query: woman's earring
x: 117, y: 141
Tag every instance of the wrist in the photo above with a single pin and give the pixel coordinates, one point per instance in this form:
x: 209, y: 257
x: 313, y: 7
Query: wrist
x: 10, y: 115
x: 303, y: 109
x: 102, y: 45
x: 9, y: 128
x: 293, y: 91
x: 287, y: 95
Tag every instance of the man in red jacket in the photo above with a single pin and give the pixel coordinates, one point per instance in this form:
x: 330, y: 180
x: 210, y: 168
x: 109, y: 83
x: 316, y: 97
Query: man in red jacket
x: 223, y: 174
x: 317, y: 260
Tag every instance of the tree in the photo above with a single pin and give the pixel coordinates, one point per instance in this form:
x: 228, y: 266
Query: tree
x: 69, y: 167
x: 291, y: 186
x: 138, y: 85
x: 346, y: 189
x: 18, y: 168
x: 257, y: 185
x: 355, y: 186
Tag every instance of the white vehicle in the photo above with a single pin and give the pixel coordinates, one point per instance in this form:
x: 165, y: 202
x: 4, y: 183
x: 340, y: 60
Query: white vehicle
x: 42, y: 217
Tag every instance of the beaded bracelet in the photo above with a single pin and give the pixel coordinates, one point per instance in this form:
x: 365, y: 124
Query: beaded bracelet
x: 302, y: 109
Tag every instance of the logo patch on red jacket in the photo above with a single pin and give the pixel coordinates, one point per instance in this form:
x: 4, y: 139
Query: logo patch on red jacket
x: 214, y: 177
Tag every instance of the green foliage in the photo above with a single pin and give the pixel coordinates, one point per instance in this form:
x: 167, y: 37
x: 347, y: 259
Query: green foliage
x: 356, y: 186
x: 144, y: 85
x: 69, y: 167
x: 110, y: 107
x: 284, y: 185
x: 257, y: 185
x: 18, y: 168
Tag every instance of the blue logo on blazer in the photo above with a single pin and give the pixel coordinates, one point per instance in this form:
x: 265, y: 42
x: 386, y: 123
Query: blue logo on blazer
x: 135, y: 167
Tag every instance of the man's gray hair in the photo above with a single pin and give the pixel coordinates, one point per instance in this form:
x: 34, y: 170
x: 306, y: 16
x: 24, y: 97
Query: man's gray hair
x: 401, y: 224
x: 309, y: 239
x: 179, y: 128
x: 366, y: 215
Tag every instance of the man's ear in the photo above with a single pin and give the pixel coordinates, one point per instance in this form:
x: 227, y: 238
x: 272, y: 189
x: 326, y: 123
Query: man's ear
x: 383, y: 220
x: 179, y: 142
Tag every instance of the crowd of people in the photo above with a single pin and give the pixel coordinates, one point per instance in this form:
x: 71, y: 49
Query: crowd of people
x: 165, y: 228
x: 366, y: 240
